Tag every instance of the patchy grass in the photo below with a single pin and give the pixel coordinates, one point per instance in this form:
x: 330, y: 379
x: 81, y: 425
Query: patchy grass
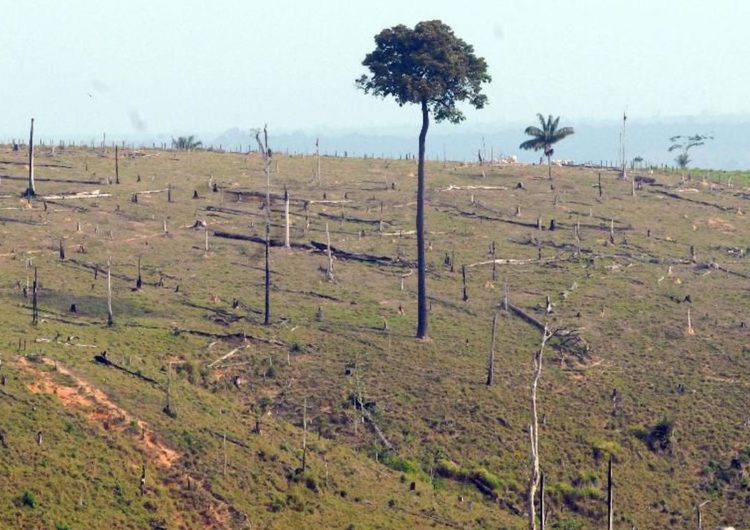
x: 465, y: 445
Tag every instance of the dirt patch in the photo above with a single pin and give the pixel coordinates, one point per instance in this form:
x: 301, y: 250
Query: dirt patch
x: 720, y: 224
x: 99, y: 408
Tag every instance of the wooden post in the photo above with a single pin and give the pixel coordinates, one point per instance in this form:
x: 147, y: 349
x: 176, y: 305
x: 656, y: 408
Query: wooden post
x: 139, y: 281
x: 491, y: 363
x: 31, y: 190
x: 267, y: 303
x: 287, y: 243
x: 304, y: 436
x: 34, y: 306
x: 169, y: 192
x: 600, y: 186
x: 465, y: 296
x: 110, y: 319
x: 117, y: 166
x: 168, y: 410
x: 61, y: 251
x: 610, y: 499
x: 329, y: 271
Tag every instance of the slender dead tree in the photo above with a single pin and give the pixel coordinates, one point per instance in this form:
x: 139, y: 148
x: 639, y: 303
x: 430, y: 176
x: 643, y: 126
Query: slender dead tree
x: 139, y: 280
x: 317, y: 155
x: 287, y: 243
x: 31, y: 190
x: 34, y: 291
x: 329, y: 271
x: 117, y: 166
x: 534, y: 429
x: 304, y: 436
x: 610, y: 498
x: 266, y: 152
x: 699, y: 513
x: 491, y: 362
x: 110, y: 318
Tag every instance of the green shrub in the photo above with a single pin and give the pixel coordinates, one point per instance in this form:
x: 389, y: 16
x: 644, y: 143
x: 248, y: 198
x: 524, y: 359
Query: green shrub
x: 28, y: 499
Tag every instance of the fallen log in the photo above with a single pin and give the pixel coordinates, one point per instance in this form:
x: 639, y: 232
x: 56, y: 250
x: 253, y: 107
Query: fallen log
x: 96, y: 194
x: 694, y: 201
x: 462, y: 188
x: 102, y: 359
x: 228, y: 336
x: 227, y: 355
x: 367, y: 258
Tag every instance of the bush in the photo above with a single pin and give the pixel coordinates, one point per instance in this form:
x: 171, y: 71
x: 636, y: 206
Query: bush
x: 28, y: 499
x: 659, y: 437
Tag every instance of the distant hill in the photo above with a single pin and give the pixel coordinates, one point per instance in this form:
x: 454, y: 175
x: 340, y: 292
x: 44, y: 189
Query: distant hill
x: 593, y: 141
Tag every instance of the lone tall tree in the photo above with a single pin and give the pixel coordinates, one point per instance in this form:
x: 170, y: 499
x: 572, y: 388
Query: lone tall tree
x: 544, y: 138
x: 31, y: 190
x: 431, y: 67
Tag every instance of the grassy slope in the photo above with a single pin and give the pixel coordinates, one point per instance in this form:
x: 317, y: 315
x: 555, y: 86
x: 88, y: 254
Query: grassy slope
x: 430, y: 398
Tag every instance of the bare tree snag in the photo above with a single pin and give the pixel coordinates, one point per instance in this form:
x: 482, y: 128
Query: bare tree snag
x: 286, y: 218
x: 465, y: 296
x: 534, y: 429
x: 168, y: 409
x: 34, y: 303
x: 329, y: 271
x: 31, y: 190
x: 601, y: 190
x: 491, y: 362
x: 205, y: 232
x: 169, y: 192
x: 61, y: 251
x: 610, y: 499
x: 110, y: 318
x: 117, y: 166
x: 142, y: 486
x: 139, y: 280
x: 690, y: 331
x: 267, y: 298
x: 699, y: 513
x: 304, y: 436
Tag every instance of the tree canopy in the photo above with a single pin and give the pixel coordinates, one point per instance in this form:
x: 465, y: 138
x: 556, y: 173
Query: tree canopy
x: 186, y: 143
x: 685, y: 144
x: 543, y: 138
x: 427, y: 64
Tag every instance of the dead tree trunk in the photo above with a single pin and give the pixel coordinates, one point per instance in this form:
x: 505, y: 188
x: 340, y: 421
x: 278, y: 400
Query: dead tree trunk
x: 34, y: 306
x: 534, y: 430
x: 304, y: 436
x: 110, y: 318
x: 699, y: 513
x: 601, y: 191
x: 465, y: 296
x: 286, y: 219
x: 329, y: 271
x: 317, y: 155
x: 491, y: 362
x: 31, y: 190
x: 610, y: 499
x: 139, y: 280
x: 117, y: 166
x: 267, y: 300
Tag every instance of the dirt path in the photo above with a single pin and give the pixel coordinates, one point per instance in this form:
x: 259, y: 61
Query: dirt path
x: 100, y: 409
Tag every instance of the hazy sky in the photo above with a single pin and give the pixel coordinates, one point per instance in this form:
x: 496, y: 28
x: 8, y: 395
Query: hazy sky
x: 87, y: 66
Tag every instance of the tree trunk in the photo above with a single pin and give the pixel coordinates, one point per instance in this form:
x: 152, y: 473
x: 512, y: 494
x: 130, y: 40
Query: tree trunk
x: 610, y: 499
x: 549, y: 167
x: 534, y: 430
x: 421, y: 274
x: 117, y: 167
x: 491, y: 363
x: 31, y: 191
x: 286, y: 219
x: 110, y: 318
x: 267, y: 307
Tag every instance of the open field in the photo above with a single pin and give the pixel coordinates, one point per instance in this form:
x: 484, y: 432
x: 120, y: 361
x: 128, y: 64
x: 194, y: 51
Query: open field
x: 460, y: 448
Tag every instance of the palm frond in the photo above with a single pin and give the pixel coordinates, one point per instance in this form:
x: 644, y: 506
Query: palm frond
x: 535, y: 143
x: 534, y: 131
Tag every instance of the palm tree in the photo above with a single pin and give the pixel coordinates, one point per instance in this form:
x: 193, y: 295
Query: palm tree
x: 546, y: 136
x: 186, y: 143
